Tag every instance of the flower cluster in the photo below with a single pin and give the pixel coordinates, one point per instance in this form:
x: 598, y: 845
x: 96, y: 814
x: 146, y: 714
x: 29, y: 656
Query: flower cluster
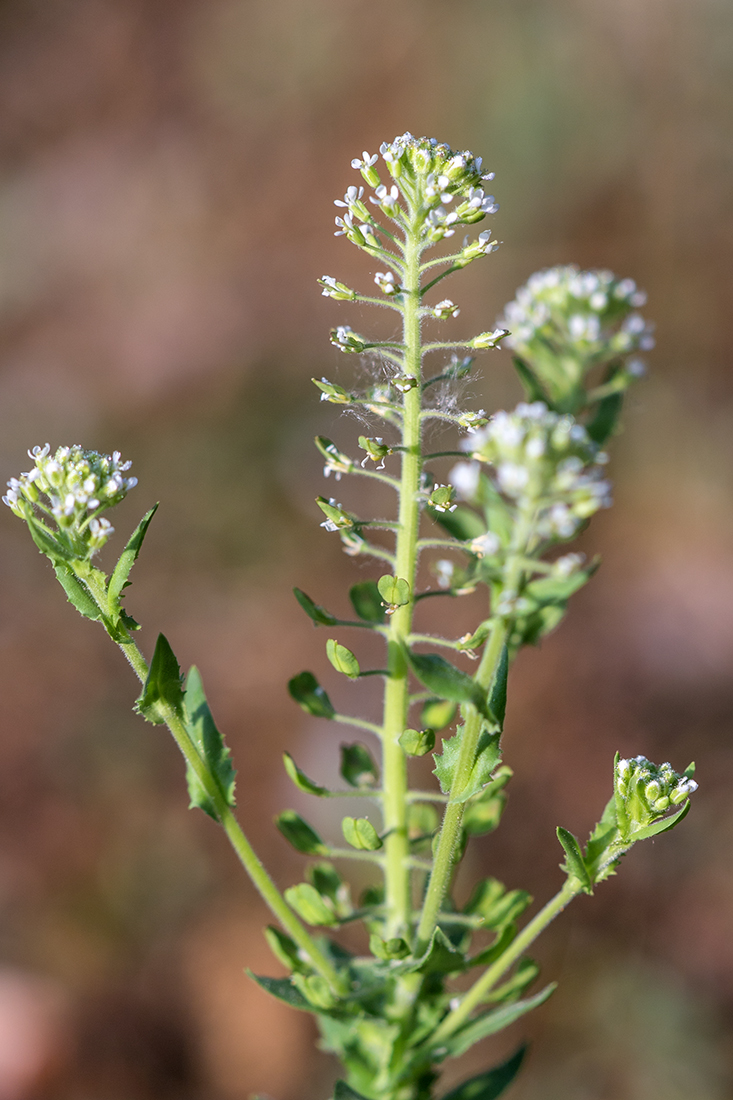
x: 545, y: 463
x: 72, y: 488
x: 565, y: 321
x: 446, y: 185
x: 647, y: 790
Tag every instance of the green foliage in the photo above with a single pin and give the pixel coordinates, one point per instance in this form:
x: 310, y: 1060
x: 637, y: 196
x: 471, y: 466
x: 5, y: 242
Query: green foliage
x: 209, y: 742
x: 491, y: 1084
x: 318, y: 614
x: 300, y: 834
x: 309, y: 694
x: 367, y: 602
x: 358, y: 766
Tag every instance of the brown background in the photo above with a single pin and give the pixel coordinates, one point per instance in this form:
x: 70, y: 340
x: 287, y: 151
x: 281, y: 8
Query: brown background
x: 167, y: 170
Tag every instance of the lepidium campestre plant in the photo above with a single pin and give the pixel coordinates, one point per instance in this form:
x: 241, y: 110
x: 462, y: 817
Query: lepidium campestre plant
x: 525, y: 484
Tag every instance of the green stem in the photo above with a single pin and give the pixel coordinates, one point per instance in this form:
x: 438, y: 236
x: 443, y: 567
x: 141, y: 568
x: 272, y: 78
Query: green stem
x: 396, y: 698
x: 244, y: 850
x: 491, y: 976
x: 453, y: 817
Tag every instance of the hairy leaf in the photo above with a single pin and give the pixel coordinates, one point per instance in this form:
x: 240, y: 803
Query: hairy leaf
x: 283, y: 989
x: 210, y: 744
x: 128, y: 557
x: 574, y: 862
x: 77, y: 593
x: 162, y: 692
x: 491, y: 1022
x: 662, y: 826
x: 487, y: 757
x: 447, y: 681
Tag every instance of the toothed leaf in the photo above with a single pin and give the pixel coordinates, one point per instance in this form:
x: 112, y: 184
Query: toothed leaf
x: 210, y: 744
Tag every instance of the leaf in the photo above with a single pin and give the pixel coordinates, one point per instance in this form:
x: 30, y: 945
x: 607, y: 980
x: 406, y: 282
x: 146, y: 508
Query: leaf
x: 308, y: 904
x: 360, y: 833
x: 316, y: 991
x: 301, y: 780
x: 388, y: 949
x: 417, y: 742
x: 497, y: 905
x: 558, y: 589
x: 436, y: 714
x: 283, y: 989
x: 328, y: 882
x: 367, y: 602
x: 162, y: 691
x: 342, y: 1091
x: 394, y: 590
x: 491, y: 1084
x: 662, y: 826
x: 342, y: 659
x: 309, y: 694
x: 440, y: 958
x: 283, y: 948
x: 210, y: 744
x: 462, y: 523
x: 530, y: 382
x: 487, y: 757
x: 300, y: 834
x: 358, y: 766
x: 313, y: 610
x: 483, y: 816
x: 76, y: 593
x: 605, y: 419
x: 525, y: 974
x: 496, y: 1020
x: 128, y: 557
x: 47, y: 544
x: 497, y: 691
x: 605, y: 832
x: 447, y: 681
x: 574, y: 862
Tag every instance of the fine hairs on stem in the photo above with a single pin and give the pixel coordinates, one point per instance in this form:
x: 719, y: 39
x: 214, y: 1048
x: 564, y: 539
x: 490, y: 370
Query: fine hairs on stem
x: 525, y: 483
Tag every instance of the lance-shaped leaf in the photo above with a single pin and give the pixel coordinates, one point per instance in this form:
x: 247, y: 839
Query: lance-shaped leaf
x: 441, y: 957
x: 210, y: 744
x: 128, y: 557
x: 462, y: 524
x: 523, y: 977
x: 308, y: 904
x: 342, y: 659
x: 360, y: 833
x: 358, y: 766
x: 309, y: 694
x: 574, y: 862
x: 300, y: 834
x: 314, y: 611
x: 47, y: 544
x: 367, y: 602
x: 447, y: 681
x: 601, y: 426
x: 491, y: 1084
x: 77, y: 593
x: 498, y: 906
x: 497, y: 691
x: 491, y: 1022
x: 301, y: 780
x: 162, y: 692
x: 283, y: 989
x: 662, y: 826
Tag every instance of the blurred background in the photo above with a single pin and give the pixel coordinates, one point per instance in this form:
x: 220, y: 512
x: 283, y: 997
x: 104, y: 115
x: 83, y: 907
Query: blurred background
x: 167, y: 171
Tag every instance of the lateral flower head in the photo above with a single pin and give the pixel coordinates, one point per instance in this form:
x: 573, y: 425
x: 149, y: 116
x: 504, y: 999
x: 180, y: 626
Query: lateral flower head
x: 644, y: 791
x: 564, y: 322
x: 63, y: 497
x: 545, y: 461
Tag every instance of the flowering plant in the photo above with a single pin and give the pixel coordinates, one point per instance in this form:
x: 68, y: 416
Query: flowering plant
x: 525, y: 483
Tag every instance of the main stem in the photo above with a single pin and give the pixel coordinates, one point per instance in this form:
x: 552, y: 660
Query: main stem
x: 398, y: 901
x: 244, y: 850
